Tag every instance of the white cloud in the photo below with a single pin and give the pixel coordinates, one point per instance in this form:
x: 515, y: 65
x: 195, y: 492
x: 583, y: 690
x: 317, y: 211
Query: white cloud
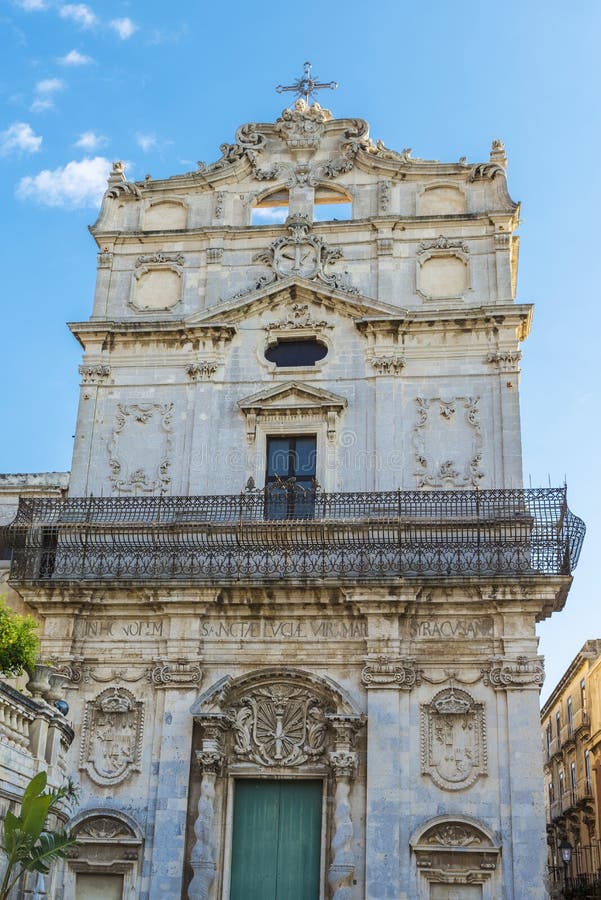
x: 79, y: 13
x: 49, y: 85
x: 75, y: 185
x: 75, y: 58
x: 41, y: 103
x: 31, y: 5
x: 146, y: 141
x: 20, y: 138
x: 124, y: 27
x: 89, y: 140
x: 269, y: 215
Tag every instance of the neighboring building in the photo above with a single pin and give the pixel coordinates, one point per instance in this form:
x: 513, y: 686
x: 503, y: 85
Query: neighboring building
x: 296, y: 582
x: 571, y: 728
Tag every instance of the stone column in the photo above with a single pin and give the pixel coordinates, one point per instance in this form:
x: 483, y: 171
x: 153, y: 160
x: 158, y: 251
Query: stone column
x: 343, y: 761
x: 388, y: 681
x: 204, y: 852
x: 517, y: 682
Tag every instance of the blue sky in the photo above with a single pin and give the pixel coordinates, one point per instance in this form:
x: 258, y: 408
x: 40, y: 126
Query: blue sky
x: 161, y: 86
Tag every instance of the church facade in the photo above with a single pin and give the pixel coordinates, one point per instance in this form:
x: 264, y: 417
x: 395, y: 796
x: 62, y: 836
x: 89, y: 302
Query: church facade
x: 295, y: 583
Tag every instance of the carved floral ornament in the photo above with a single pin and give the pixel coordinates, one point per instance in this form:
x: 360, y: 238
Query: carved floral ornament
x: 111, y: 739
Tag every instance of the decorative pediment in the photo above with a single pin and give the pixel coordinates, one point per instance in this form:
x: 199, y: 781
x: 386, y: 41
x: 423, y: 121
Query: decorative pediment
x: 292, y: 402
x: 294, y: 289
x: 455, y: 850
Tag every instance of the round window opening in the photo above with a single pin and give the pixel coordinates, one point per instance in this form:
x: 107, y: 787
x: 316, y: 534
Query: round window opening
x: 296, y: 353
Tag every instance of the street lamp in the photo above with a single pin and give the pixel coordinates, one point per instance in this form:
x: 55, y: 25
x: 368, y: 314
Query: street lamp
x: 566, y: 855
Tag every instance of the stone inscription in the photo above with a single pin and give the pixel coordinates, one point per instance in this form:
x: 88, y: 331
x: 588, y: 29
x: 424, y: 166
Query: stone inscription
x: 119, y: 628
x: 282, y: 629
x: 462, y: 629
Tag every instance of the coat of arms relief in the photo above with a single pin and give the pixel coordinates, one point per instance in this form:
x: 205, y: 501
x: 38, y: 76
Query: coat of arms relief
x: 453, y: 740
x: 111, y: 740
x: 280, y: 725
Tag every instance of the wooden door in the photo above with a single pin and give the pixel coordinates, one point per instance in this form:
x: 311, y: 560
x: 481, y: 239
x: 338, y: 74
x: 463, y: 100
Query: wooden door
x: 276, y: 844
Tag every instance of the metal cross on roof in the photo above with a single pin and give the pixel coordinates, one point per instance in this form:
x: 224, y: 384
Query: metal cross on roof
x: 306, y: 85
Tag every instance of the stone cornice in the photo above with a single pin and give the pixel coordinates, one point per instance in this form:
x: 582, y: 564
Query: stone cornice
x: 407, y: 223
x: 533, y: 594
x: 175, y: 333
x: 515, y: 315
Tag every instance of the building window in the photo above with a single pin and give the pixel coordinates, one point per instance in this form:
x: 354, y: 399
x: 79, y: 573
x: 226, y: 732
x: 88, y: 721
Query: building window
x: 296, y: 353
x: 561, y: 788
x: 558, y: 726
x: 573, y: 775
x: 332, y: 205
x: 549, y: 735
x: 290, y: 477
x: 583, y: 695
x: 271, y: 210
x: 587, y: 769
x: 570, y: 716
x: 551, y: 794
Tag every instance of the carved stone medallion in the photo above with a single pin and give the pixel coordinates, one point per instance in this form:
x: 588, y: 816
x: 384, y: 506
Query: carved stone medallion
x: 111, y: 740
x: 453, y: 740
x: 280, y: 725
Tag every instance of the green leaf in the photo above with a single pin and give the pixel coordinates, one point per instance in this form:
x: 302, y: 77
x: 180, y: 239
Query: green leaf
x: 35, y: 787
x: 34, y: 815
x: 11, y: 823
x: 51, y: 847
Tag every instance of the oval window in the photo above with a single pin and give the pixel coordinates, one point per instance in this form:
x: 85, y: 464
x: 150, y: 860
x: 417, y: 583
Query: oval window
x: 296, y: 353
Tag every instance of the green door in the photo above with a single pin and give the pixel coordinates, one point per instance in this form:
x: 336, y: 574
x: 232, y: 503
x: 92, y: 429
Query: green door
x: 276, y: 844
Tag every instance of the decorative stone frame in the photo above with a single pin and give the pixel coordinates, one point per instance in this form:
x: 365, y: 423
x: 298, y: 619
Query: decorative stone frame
x: 109, y: 704
x: 455, y: 850
x: 162, y: 201
x: 115, y: 849
x: 317, y: 724
x: 453, y: 249
x: 310, y: 410
x: 433, y: 186
x: 156, y: 262
x: 450, y: 714
x: 299, y: 324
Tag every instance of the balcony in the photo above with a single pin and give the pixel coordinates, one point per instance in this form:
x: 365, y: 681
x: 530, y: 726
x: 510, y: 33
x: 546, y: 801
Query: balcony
x: 354, y: 537
x: 568, y: 737
x: 582, y: 722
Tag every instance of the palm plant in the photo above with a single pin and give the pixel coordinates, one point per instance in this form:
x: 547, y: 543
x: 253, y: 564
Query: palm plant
x: 27, y: 844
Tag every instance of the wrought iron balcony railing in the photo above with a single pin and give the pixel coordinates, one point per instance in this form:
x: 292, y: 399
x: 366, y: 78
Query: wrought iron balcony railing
x: 249, y: 536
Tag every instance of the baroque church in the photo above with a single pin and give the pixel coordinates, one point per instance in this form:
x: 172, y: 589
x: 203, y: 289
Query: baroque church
x: 294, y: 583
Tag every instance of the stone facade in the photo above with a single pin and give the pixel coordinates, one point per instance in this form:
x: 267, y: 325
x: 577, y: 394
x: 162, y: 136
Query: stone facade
x: 571, y: 731
x: 401, y: 677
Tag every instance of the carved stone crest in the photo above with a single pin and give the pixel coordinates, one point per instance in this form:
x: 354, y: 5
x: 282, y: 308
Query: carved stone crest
x: 303, y: 254
x: 280, y: 725
x: 453, y: 739
x: 111, y: 741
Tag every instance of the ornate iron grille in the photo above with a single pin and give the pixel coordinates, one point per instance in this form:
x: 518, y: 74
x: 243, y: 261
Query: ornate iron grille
x: 351, y: 537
